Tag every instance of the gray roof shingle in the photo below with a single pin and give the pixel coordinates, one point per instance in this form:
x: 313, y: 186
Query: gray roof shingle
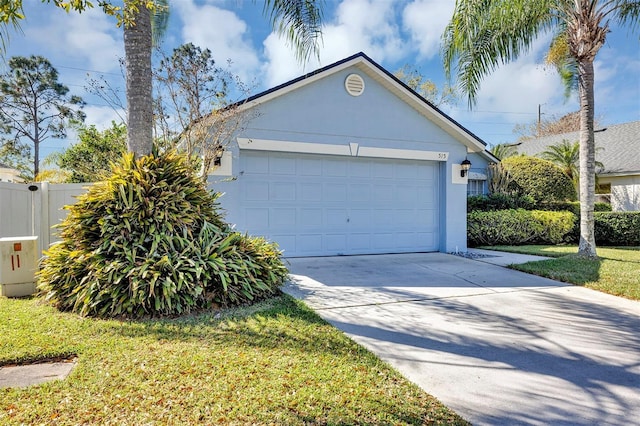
x: 617, y: 147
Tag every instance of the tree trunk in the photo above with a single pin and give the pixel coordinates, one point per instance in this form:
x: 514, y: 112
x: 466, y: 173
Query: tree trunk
x: 587, y: 245
x: 137, y: 49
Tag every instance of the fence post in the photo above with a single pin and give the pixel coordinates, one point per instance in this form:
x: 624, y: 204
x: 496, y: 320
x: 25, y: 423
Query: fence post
x: 45, y: 226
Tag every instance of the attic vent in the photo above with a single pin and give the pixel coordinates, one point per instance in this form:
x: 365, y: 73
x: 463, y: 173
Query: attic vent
x: 354, y: 85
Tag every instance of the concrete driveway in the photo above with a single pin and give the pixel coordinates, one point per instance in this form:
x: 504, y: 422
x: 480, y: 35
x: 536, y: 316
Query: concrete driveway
x: 498, y: 346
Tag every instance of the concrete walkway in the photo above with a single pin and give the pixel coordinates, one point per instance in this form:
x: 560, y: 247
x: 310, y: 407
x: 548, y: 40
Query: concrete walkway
x: 22, y: 376
x: 498, y: 346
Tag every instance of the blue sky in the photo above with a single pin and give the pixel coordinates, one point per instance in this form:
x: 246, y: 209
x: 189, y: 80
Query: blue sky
x: 392, y: 33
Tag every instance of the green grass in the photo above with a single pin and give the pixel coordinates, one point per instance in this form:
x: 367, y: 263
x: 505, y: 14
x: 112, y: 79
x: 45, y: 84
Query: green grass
x: 617, y: 270
x: 274, y: 363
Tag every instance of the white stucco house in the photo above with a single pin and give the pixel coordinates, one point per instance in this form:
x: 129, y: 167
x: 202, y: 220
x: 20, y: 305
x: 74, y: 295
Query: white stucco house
x: 618, y: 149
x: 348, y: 160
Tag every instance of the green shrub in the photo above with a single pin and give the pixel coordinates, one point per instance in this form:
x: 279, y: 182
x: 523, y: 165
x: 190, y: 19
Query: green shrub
x: 540, y: 179
x: 149, y: 241
x: 573, y: 206
x: 516, y: 227
x: 617, y: 228
x: 499, y: 202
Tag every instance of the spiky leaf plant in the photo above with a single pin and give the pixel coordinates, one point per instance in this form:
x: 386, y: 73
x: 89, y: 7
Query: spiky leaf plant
x: 149, y: 241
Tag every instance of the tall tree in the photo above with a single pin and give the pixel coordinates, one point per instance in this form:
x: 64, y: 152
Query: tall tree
x: 138, y: 41
x: 566, y: 155
x: 425, y: 87
x: 551, y: 126
x: 192, y: 106
x: 89, y: 159
x: 484, y: 34
x: 299, y: 21
x: 34, y: 106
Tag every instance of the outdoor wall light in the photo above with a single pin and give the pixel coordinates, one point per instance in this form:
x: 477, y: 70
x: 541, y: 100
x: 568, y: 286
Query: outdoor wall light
x: 464, y: 167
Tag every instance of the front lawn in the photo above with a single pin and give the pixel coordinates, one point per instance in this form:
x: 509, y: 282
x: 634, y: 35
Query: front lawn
x: 617, y: 271
x: 274, y: 363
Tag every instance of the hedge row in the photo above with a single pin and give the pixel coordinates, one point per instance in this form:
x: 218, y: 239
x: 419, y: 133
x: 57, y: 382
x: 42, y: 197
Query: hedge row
x: 518, y: 226
x: 617, y: 228
x: 505, y: 202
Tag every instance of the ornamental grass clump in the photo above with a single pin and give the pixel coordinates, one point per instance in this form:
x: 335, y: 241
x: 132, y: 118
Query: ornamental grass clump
x: 149, y: 241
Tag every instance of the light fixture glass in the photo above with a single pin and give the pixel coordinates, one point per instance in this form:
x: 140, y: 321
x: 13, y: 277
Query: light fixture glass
x: 464, y: 167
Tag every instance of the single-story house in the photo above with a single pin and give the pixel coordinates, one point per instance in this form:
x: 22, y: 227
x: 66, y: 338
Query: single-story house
x: 348, y: 160
x: 618, y: 149
x: 9, y: 174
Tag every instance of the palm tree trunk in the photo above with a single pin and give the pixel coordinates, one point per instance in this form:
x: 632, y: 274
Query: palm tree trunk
x: 587, y: 245
x: 137, y: 49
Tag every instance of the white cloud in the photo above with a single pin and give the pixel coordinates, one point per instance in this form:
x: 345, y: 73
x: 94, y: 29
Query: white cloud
x: 426, y: 20
x: 221, y: 31
x: 90, y: 38
x: 102, y: 116
x: 359, y: 25
x: 511, y: 94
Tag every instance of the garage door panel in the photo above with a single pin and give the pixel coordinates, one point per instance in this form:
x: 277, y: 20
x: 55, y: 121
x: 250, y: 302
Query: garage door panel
x: 336, y: 243
x: 382, y: 242
x: 406, y: 194
x: 336, y: 218
x: 308, y: 244
x: 426, y: 195
x: 359, y: 242
x: 406, y: 171
x: 285, y: 165
x: 384, y: 192
x: 283, y: 218
x: 335, y: 168
x: 310, y: 167
x: 256, y: 191
x: 405, y: 240
x: 360, y: 169
x: 360, y: 192
x: 257, y: 218
x: 255, y: 166
x: 310, y: 191
x: 282, y: 191
x: 381, y: 170
x: 310, y: 218
x: 339, y: 205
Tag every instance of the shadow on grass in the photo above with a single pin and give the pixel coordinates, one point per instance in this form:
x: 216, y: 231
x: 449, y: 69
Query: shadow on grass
x: 271, y: 324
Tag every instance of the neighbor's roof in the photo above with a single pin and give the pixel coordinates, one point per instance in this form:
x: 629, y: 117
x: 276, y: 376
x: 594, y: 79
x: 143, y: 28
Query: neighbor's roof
x: 617, y: 147
x: 388, y: 80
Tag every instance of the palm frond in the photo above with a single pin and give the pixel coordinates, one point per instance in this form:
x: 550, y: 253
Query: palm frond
x: 487, y: 33
x: 300, y: 21
x: 159, y: 20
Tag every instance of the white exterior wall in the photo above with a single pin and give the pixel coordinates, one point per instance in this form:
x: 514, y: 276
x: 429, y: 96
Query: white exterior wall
x: 625, y: 192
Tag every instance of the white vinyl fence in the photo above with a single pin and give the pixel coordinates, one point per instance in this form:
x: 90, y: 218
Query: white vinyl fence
x: 33, y: 209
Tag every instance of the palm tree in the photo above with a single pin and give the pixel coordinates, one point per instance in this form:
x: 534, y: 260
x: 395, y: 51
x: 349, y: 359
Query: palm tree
x: 299, y: 21
x: 504, y: 150
x: 484, y: 34
x: 566, y: 155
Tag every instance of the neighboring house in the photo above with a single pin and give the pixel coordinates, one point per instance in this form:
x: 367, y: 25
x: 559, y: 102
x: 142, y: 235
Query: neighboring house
x: 349, y: 160
x: 9, y: 174
x: 618, y: 149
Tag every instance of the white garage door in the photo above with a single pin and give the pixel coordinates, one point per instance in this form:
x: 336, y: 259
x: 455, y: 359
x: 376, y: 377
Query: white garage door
x: 318, y: 205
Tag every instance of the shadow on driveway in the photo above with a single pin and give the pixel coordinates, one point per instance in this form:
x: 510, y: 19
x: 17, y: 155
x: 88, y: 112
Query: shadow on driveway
x: 496, y: 345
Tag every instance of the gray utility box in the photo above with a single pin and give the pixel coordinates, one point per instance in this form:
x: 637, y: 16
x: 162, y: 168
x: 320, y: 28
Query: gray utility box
x: 18, y: 265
